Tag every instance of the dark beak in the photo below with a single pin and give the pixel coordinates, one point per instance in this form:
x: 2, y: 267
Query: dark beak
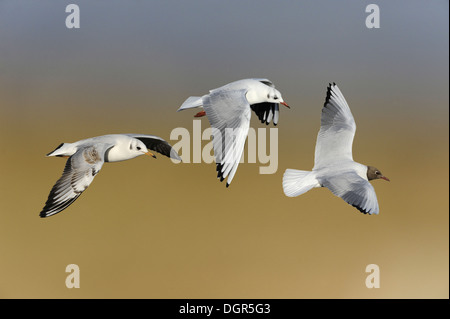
x: 285, y: 104
x: 150, y: 154
x: 385, y: 178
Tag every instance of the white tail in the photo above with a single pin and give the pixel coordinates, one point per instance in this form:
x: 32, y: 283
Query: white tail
x: 191, y: 102
x: 297, y: 182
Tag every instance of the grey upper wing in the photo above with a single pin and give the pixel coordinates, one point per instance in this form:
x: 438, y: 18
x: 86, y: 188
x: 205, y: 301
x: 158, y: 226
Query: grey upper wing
x: 78, y: 174
x: 355, y: 190
x: 229, y: 114
x: 157, y: 144
x: 265, y: 81
x: 337, y: 130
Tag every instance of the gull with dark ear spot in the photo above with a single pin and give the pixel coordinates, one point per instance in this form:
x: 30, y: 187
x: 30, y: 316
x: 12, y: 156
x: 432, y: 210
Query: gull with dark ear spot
x: 334, y: 167
x: 228, y: 109
x: 86, y: 158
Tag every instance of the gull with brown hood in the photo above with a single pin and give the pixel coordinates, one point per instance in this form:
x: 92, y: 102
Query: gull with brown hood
x: 334, y: 167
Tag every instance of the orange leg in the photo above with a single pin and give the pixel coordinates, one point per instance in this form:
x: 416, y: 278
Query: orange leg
x: 200, y: 114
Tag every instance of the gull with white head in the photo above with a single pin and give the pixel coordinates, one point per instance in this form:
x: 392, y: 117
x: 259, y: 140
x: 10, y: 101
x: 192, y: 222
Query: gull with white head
x: 86, y: 158
x: 228, y: 110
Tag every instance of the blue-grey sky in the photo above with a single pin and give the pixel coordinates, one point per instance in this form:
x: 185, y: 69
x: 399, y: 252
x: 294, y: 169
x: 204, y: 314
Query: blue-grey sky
x: 163, y: 47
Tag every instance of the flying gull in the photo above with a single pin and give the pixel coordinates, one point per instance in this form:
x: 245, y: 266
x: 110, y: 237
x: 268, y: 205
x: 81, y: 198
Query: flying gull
x: 334, y: 167
x: 86, y: 158
x: 228, y: 110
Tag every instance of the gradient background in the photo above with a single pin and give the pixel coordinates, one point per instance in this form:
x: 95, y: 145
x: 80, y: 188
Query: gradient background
x: 152, y: 229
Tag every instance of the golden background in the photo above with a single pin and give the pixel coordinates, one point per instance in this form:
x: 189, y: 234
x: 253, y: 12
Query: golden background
x: 150, y: 228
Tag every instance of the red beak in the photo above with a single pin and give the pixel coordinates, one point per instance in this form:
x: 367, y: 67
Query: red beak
x: 385, y: 178
x: 285, y: 104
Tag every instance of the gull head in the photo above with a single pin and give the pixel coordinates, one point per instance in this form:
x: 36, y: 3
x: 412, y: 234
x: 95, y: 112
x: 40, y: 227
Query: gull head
x: 374, y: 173
x: 138, y: 148
x: 262, y: 92
x: 274, y: 96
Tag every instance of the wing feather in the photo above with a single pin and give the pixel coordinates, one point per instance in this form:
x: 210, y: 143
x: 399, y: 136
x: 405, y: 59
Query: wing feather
x: 354, y: 190
x: 266, y: 111
x: 78, y: 174
x: 337, y: 130
x: 229, y: 114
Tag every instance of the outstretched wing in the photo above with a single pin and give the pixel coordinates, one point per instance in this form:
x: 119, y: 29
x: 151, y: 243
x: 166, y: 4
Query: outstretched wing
x: 355, y: 190
x: 229, y: 114
x: 337, y: 130
x: 157, y: 144
x: 78, y: 174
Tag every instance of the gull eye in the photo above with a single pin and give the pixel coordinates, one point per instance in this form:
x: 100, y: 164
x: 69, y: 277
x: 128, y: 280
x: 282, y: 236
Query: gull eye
x: 138, y: 148
x: 275, y: 97
x: 377, y: 172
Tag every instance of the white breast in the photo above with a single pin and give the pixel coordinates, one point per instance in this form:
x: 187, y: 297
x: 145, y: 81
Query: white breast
x: 361, y: 170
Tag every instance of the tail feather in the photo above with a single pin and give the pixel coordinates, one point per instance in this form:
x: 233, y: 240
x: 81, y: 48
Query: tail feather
x: 297, y: 182
x: 191, y: 102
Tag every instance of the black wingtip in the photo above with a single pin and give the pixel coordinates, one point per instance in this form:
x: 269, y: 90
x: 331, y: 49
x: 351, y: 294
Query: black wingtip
x: 228, y: 185
x: 361, y: 210
x: 59, y: 146
x: 219, y: 171
x: 328, y: 96
x: 262, y: 110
